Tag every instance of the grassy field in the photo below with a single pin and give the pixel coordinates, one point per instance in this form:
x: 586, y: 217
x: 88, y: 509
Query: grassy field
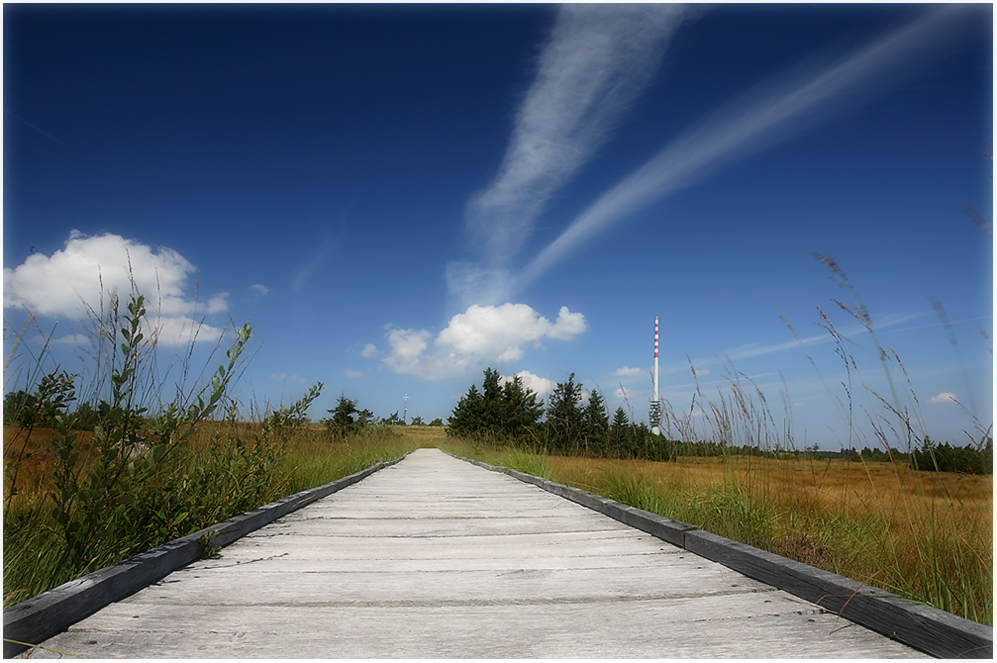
x: 926, y: 536
x: 220, y: 472
x: 153, y: 468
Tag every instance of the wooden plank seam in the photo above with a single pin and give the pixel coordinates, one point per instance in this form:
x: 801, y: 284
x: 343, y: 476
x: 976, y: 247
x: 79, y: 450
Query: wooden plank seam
x: 50, y: 613
x: 923, y: 627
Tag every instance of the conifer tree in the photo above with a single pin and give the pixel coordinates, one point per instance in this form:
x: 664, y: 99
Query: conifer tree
x: 465, y: 420
x: 345, y: 417
x: 492, y: 412
x: 504, y: 410
x: 596, y: 423
x: 564, y: 415
x: 522, y: 410
x: 619, y: 432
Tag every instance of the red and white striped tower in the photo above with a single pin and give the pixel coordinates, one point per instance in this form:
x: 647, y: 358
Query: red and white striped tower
x: 656, y: 403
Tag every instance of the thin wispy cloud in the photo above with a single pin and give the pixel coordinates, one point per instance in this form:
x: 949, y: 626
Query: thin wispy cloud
x: 316, y: 259
x: 597, y: 61
x: 765, y: 116
x: 852, y: 334
x: 44, y: 133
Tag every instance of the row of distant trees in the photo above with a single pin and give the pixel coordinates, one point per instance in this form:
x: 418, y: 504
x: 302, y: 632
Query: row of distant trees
x: 506, y: 411
x: 56, y: 393
x: 345, y: 418
x: 930, y: 456
x: 509, y: 412
x: 946, y: 458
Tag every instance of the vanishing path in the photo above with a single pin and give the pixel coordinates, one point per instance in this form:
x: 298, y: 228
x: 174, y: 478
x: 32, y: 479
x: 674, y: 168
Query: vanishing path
x: 436, y: 558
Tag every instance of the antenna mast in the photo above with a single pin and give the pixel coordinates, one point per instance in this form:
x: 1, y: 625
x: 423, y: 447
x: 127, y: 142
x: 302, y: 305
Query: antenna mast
x: 655, y: 414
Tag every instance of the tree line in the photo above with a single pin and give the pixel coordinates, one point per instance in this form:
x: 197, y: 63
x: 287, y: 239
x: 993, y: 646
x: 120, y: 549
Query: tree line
x: 507, y: 412
x: 56, y: 392
x: 346, y: 419
x: 947, y: 458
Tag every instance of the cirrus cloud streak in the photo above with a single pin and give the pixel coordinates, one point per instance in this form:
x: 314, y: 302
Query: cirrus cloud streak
x: 596, y: 63
x: 765, y: 116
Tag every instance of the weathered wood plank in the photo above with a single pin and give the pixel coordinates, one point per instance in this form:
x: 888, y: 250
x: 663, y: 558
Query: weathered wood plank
x: 200, y: 586
x: 474, y: 583
x: 43, y: 616
x: 926, y: 628
x: 929, y: 629
x: 683, y: 628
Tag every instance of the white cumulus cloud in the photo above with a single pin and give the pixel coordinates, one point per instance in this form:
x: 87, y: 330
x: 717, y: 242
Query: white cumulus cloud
x: 538, y: 385
x: 88, y: 271
x: 182, y: 329
x: 480, y: 335
x: 369, y: 351
x: 407, y: 345
x: 944, y: 397
x: 499, y: 332
x: 627, y: 372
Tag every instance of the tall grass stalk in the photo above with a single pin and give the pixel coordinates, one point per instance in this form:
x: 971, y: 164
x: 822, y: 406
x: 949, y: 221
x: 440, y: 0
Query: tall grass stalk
x: 885, y: 525
x: 924, y: 534
x: 148, y: 471
x: 314, y: 460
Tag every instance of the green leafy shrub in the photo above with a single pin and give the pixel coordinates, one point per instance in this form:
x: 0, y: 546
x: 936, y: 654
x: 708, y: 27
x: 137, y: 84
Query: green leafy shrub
x: 137, y: 483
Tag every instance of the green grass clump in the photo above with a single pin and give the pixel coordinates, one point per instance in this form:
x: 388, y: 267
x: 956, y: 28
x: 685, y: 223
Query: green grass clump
x: 922, y: 536
x: 79, y: 500
x: 314, y: 461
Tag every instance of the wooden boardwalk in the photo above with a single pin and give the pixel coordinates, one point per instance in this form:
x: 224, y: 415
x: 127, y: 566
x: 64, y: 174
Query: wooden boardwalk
x: 436, y: 558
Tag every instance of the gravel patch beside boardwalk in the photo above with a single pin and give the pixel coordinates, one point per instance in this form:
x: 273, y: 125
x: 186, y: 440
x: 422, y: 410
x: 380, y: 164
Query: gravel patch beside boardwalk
x: 436, y: 558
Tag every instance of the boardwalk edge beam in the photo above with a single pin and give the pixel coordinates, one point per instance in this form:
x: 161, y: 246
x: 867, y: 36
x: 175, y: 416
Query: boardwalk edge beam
x: 50, y: 613
x: 922, y: 627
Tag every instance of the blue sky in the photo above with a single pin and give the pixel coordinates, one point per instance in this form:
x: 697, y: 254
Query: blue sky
x: 397, y: 196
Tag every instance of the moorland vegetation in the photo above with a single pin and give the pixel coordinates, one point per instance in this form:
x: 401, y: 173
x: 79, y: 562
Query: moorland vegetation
x: 89, y: 484
x: 97, y: 472
x: 903, y: 512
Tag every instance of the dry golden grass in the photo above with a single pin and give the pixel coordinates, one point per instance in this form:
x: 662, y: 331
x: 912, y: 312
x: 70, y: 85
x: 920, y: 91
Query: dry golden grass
x: 833, y: 485
x: 924, y: 535
x: 35, y: 453
x: 309, y: 446
x: 422, y: 436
